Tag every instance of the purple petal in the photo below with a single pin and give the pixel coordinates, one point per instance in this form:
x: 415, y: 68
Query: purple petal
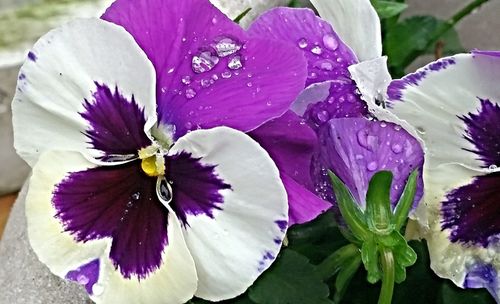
x: 116, y: 124
x: 209, y: 71
x: 471, y: 212
x: 483, y: 131
x: 483, y: 276
x: 86, y: 275
x: 356, y: 148
x: 196, y: 187
x: 327, y: 100
x: 116, y: 202
x: 291, y: 144
x: 327, y: 56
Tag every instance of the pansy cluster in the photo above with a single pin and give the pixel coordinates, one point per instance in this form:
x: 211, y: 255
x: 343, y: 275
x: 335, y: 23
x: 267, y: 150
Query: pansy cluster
x: 172, y: 149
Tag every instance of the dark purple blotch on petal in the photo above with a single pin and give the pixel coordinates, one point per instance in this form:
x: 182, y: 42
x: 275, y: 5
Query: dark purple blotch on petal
x: 283, y: 225
x: 471, y: 212
x: 483, y: 131
x: 32, y: 56
x: 396, y: 88
x: 116, y: 124
x: 117, y: 202
x: 86, y: 275
x: 482, y: 275
x: 196, y: 186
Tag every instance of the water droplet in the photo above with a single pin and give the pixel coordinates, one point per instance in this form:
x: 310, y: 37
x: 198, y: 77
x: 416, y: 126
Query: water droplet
x: 317, y: 50
x: 171, y: 71
x: 82, y: 279
x: 250, y: 84
x: 421, y: 130
x: 190, y: 93
x: 383, y: 124
x: 129, y: 205
x: 330, y: 42
x: 226, y: 74
x: 302, y: 43
x: 226, y: 47
x: 493, y: 167
x: 269, y: 103
x: 323, y: 116
x: 235, y: 63
x: 372, y: 166
x: 97, y: 289
x: 397, y: 127
x: 397, y: 148
x: 205, y: 83
x: 325, y: 65
x: 164, y: 190
x: 184, y: 39
x: 186, y: 80
x: 359, y: 157
x: 204, y: 62
x: 214, y: 20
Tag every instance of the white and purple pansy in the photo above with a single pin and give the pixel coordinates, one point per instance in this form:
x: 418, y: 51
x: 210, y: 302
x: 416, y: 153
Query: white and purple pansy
x: 454, y: 103
x: 145, y: 187
x: 351, y: 144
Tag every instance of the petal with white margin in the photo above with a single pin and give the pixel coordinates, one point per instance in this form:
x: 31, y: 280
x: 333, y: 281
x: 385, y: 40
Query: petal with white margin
x: 451, y: 258
x: 357, y: 24
x: 61, y: 73
x: 88, y: 262
x: 239, y: 240
x: 453, y: 103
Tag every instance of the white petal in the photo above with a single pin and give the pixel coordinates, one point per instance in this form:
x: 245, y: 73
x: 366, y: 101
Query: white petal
x: 174, y: 282
x: 435, y: 97
x: 61, y: 74
x: 372, y: 78
x: 357, y: 24
x: 243, y: 238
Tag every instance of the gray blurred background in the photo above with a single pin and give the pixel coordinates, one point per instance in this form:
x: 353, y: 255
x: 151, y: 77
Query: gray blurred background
x: 480, y: 30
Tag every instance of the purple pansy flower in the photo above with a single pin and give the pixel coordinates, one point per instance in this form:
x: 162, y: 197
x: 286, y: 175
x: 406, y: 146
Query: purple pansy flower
x: 351, y: 144
x: 145, y: 188
x: 454, y: 104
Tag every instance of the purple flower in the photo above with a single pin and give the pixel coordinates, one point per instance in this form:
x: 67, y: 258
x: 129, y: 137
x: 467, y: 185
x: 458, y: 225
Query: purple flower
x: 145, y: 187
x: 351, y: 144
x: 454, y: 104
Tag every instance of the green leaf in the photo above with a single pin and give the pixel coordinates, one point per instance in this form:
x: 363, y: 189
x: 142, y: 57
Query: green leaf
x: 352, y: 215
x: 378, y: 203
x: 291, y: 280
x: 388, y: 9
x: 406, y: 201
x: 332, y: 264
x: 317, y: 239
x: 406, y: 40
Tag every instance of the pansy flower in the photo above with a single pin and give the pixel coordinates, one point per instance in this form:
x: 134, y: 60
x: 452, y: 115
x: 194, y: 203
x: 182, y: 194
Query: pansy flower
x: 145, y: 187
x: 345, y: 68
x: 454, y: 104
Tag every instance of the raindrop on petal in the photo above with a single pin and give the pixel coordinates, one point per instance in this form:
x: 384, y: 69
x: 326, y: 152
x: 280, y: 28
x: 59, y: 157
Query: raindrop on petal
x: 164, y: 190
x: 235, y: 63
x: 204, y: 62
x: 397, y: 148
x: 372, y: 166
x: 317, y: 50
x: 190, y: 93
x: 97, y: 289
x: 186, y: 80
x: 226, y: 74
x: 330, y: 42
x: 82, y: 279
x: 302, y: 43
x: 226, y: 47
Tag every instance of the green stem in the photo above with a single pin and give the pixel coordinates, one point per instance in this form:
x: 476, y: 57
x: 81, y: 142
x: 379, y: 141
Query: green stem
x: 387, y: 262
x: 450, y: 23
x: 332, y: 264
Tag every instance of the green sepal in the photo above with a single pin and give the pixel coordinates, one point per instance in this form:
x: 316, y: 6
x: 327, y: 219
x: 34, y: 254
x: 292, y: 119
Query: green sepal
x: 351, y: 213
x: 336, y: 261
x: 345, y: 276
x: 370, y: 258
x: 406, y: 200
x: 378, y: 203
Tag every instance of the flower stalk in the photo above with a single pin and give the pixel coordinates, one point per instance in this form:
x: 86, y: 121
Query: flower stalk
x: 379, y: 244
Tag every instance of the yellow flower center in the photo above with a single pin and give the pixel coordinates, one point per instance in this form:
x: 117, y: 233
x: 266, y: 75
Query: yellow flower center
x: 151, y: 167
